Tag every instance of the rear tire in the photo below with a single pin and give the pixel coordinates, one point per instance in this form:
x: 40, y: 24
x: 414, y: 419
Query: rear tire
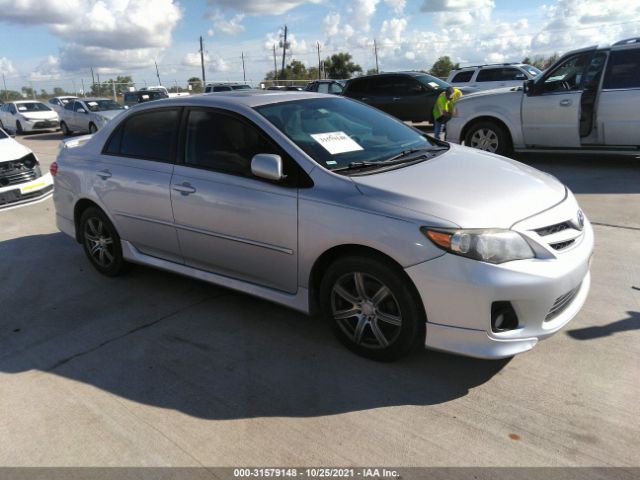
x: 489, y: 136
x: 372, y: 308
x: 101, y: 243
x: 65, y: 130
x: 19, y: 130
x: 92, y: 128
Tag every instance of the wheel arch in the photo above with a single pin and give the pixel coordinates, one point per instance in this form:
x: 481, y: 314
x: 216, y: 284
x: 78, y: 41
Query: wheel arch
x: 79, y: 208
x: 337, y: 252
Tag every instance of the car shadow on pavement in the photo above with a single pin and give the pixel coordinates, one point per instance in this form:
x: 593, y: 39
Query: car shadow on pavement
x: 40, y: 136
x: 632, y: 322
x: 168, y: 341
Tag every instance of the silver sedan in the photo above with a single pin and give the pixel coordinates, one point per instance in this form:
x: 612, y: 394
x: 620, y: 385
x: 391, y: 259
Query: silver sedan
x: 321, y: 203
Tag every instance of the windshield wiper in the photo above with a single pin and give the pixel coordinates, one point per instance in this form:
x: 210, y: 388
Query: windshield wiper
x: 403, y: 157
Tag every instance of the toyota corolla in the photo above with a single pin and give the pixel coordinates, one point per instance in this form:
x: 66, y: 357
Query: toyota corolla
x: 324, y: 204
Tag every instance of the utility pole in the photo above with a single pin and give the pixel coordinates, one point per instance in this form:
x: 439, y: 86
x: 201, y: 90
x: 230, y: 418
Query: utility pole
x: 113, y: 86
x: 83, y: 92
x: 157, y: 73
x: 6, y: 92
x: 319, y: 63
x: 244, y: 73
x: 202, y: 62
x: 33, y: 92
x: 99, y: 93
x: 93, y: 80
x: 375, y: 49
x: 275, y: 65
x: 284, y: 49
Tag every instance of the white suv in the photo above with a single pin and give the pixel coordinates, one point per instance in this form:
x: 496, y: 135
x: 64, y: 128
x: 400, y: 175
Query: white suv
x: 487, y: 77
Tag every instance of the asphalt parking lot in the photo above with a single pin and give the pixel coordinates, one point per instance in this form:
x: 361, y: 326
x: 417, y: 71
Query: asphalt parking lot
x: 154, y: 369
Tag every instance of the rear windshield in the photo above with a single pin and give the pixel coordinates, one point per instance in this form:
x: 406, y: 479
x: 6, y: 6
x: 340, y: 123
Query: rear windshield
x: 432, y: 82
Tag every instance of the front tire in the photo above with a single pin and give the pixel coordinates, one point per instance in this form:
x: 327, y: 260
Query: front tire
x: 372, y: 308
x: 101, y: 243
x: 19, y: 130
x: 488, y: 136
x: 65, y: 130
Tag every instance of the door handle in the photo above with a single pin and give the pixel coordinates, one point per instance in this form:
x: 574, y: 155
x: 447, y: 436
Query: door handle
x: 395, y: 99
x: 565, y: 103
x: 184, y: 188
x: 104, y: 174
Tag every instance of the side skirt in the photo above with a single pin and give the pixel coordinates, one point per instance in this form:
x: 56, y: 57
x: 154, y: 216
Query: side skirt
x: 299, y: 301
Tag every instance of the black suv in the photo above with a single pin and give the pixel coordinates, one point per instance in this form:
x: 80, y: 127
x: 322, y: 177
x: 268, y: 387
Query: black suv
x: 226, y: 87
x: 409, y: 96
x: 133, y: 98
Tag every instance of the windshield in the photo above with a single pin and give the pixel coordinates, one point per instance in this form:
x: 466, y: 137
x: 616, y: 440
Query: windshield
x: 337, y: 132
x: 240, y: 87
x: 432, y: 82
x: 32, y: 107
x: 64, y: 101
x: 533, y: 71
x: 103, y: 105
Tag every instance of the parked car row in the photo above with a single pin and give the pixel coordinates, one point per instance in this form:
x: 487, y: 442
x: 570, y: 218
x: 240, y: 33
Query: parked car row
x: 28, y: 116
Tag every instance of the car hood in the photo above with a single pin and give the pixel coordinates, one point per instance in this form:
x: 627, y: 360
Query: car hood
x: 47, y: 115
x: 493, y: 93
x: 470, y: 188
x: 12, y: 150
x: 110, y: 114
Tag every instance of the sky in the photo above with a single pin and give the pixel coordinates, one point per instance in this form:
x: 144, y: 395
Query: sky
x: 47, y: 43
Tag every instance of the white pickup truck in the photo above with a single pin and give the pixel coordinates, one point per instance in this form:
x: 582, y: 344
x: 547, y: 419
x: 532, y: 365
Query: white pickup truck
x: 589, y: 100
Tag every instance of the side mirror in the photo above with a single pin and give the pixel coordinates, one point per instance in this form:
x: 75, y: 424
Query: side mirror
x: 529, y: 87
x: 81, y: 110
x: 268, y: 166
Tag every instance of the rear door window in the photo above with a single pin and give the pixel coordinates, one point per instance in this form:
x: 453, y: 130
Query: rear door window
x: 623, y: 70
x: 462, y: 77
x: 150, y: 135
x: 487, y: 75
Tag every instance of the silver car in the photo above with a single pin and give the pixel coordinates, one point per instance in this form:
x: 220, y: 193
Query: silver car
x: 321, y: 203
x: 88, y: 114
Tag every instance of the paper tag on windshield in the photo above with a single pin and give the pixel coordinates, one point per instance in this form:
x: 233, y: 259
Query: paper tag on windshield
x: 22, y: 109
x: 434, y: 84
x: 92, y: 104
x: 336, y: 142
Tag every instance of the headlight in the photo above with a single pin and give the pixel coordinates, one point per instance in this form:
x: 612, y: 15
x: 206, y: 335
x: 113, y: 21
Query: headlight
x: 493, y: 246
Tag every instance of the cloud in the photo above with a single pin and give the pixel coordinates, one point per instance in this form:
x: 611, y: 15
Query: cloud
x: 455, y: 5
x: 260, y: 7
x: 192, y: 59
x: 47, y: 69
x: 74, y: 57
x: 33, y: 12
x: 396, y: 5
x: 217, y: 64
x: 361, y: 12
x: 6, y: 67
x: 221, y: 24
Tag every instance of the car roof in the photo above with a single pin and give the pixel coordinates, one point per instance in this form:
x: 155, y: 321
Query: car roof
x: 26, y: 101
x: 93, y: 99
x: 246, y: 98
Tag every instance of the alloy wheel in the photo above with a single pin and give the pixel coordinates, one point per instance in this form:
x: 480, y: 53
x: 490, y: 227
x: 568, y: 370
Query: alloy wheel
x: 366, y: 310
x: 99, y: 242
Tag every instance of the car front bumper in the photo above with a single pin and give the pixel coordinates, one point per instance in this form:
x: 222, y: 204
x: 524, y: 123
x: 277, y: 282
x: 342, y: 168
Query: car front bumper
x: 38, y: 125
x: 28, y: 192
x: 458, y: 294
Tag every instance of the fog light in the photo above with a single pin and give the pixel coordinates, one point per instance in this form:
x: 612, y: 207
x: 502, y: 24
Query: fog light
x: 503, y: 317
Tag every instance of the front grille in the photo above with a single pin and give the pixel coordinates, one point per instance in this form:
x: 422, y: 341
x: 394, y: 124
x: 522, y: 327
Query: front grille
x: 562, y: 245
x: 551, y: 229
x: 561, y: 304
x: 46, y: 124
x: 19, y: 171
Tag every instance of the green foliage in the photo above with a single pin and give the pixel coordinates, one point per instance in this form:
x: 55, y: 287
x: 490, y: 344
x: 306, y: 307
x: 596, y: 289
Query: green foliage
x: 196, y: 85
x: 372, y: 71
x: 9, y: 95
x: 295, y: 70
x: 339, y: 66
x: 443, y: 66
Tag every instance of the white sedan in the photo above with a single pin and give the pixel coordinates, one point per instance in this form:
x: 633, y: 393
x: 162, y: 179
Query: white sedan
x: 21, y: 180
x: 28, y: 116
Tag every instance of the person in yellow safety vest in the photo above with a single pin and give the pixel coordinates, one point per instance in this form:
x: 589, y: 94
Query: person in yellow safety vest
x: 444, y: 109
